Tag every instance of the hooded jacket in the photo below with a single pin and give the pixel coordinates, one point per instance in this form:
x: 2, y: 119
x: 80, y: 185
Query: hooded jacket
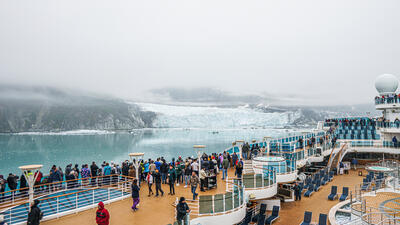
x: 35, y: 215
x: 102, y: 215
x: 181, y: 210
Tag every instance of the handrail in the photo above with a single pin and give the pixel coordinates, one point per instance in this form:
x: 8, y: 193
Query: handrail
x: 61, y: 203
x: 64, y: 181
x: 13, y: 199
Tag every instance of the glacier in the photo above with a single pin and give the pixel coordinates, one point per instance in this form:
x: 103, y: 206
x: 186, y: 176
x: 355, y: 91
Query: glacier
x: 173, y: 116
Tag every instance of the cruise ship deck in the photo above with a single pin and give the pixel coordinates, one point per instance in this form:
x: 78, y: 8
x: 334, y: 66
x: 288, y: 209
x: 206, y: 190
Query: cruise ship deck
x: 160, y: 210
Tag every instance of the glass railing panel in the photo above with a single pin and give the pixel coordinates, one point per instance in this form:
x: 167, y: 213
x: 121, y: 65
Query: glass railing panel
x: 259, y: 180
x: 236, y: 202
x: 248, y: 180
x: 218, y: 203
x: 228, y: 201
x: 205, y: 204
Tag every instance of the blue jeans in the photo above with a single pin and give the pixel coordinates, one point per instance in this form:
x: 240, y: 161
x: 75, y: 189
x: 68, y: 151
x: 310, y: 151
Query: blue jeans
x: 187, y: 178
x: 163, y: 177
x: 193, y: 188
x: 244, y: 155
x: 224, y: 173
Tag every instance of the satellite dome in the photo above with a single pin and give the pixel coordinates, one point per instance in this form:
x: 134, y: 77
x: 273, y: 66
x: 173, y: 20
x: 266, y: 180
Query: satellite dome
x: 386, y: 84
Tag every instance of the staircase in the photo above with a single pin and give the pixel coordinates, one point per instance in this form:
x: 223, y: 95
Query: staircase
x: 248, y: 167
x: 336, y: 158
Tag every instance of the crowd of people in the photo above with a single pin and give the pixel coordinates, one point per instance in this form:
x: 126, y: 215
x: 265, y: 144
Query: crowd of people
x: 387, y: 99
x: 176, y: 172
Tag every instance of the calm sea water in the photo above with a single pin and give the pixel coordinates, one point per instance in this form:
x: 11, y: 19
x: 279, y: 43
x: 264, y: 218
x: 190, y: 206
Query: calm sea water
x: 49, y: 149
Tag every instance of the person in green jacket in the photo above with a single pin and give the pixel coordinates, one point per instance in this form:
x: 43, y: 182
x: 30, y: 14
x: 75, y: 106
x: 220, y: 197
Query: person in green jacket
x: 178, y: 174
x: 171, y: 180
x: 225, y: 166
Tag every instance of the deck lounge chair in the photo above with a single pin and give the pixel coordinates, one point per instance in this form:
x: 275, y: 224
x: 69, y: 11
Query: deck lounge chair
x: 307, y: 183
x: 261, y: 220
x: 331, y: 176
x: 325, y: 180
x: 263, y: 208
x: 309, y: 191
x: 307, y: 218
x: 247, y: 218
x: 274, y: 216
x: 345, y: 194
x: 317, y: 185
x: 365, y: 184
x: 333, y: 193
x: 322, y: 219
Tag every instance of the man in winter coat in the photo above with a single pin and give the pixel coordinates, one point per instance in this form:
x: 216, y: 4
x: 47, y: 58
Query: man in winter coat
x: 225, y: 166
x: 102, y: 215
x: 171, y: 180
x: 35, y: 215
x: 194, y: 181
x: 182, y: 210
x: 157, y: 179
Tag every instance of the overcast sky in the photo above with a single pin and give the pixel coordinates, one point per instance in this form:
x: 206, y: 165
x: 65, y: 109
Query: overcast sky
x: 313, y: 49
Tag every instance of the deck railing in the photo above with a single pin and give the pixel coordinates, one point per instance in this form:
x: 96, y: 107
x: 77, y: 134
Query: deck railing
x: 211, y: 205
x: 19, y: 196
x: 66, y: 201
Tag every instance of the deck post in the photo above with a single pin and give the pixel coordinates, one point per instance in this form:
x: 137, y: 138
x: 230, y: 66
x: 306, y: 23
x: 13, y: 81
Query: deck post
x: 28, y: 172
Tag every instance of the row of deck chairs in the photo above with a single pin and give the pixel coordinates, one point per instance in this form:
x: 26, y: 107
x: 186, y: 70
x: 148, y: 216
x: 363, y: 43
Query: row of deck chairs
x: 260, y: 218
x: 372, y: 178
x: 313, y: 184
x: 333, y: 195
x: 308, y: 217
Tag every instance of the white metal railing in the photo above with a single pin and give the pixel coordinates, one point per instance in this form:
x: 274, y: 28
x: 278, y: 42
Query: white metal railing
x: 65, y: 201
x: 231, y: 201
x: 19, y: 196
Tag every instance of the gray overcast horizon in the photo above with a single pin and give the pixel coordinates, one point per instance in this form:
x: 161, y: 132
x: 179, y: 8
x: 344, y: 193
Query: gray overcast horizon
x: 320, y: 52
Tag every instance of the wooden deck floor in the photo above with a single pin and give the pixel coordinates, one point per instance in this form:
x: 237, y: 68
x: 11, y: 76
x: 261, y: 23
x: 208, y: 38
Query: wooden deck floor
x: 154, y: 211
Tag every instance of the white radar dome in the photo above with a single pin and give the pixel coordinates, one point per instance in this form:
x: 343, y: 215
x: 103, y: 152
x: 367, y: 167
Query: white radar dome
x: 386, y: 84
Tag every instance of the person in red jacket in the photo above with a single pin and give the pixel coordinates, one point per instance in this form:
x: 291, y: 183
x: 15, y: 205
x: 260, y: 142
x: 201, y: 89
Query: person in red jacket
x: 102, y: 215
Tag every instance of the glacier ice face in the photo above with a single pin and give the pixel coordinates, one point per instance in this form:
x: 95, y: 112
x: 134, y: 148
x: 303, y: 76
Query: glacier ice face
x: 169, y: 116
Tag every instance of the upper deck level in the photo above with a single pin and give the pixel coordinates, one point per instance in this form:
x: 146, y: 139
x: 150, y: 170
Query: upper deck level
x: 391, y: 101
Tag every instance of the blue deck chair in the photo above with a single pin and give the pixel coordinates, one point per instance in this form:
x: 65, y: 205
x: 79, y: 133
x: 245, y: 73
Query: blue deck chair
x: 365, y: 184
x: 274, y: 216
x: 333, y: 193
x: 309, y: 191
x: 261, y: 220
x: 306, y: 183
x: 307, y: 218
x: 263, y: 208
x: 322, y: 219
x: 325, y: 180
x: 331, y: 176
x: 345, y: 194
x: 318, y: 185
x: 247, y: 218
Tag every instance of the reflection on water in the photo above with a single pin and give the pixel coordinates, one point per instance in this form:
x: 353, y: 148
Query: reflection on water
x: 17, y: 150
